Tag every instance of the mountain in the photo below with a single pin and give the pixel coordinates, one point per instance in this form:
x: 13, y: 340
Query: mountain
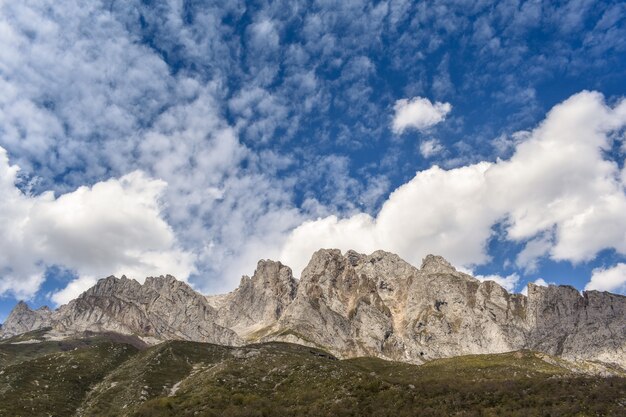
x: 22, y: 319
x: 353, y: 305
x: 162, y: 308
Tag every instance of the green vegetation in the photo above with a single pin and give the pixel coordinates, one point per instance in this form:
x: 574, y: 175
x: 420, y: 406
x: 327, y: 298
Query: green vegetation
x: 56, y: 384
x: 177, y: 378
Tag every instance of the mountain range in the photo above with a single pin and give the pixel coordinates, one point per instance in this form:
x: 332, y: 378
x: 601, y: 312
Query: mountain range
x: 351, y: 305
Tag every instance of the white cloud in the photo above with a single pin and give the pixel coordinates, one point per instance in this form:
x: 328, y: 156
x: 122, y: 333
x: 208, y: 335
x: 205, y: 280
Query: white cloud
x: 76, y: 287
x: 420, y: 217
x: 609, y: 279
x: 115, y: 226
x: 84, y: 100
x: 528, y: 258
x: 431, y: 147
x: 418, y: 113
x: 508, y: 283
x: 557, y: 180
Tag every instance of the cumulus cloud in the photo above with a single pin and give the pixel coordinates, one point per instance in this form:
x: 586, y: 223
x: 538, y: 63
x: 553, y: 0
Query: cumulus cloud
x: 418, y: 113
x: 75, y: 287
x: 557, y: 181
x: 609, y: 279
x: 114, y: 226
x: 86, y: 98
x: 508, y: 283
x: 83, y: 100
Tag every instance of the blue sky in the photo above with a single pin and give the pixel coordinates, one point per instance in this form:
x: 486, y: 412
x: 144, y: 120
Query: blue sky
x: 196, y: 137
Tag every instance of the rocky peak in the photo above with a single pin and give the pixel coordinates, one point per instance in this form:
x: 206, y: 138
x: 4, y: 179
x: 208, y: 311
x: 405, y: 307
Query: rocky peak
x: 21, y: 307
x: 325, y: 265
x: 337, y: 307
x: 434, y: 264
x: 23, y: 319
x: 353, y: 305
x: 162, y: 308
x: 353, y: 257
x: 259, y: 301
x: 112, y: 285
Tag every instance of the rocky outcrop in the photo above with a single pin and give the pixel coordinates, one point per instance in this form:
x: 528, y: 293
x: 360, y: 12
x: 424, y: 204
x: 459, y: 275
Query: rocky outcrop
x: 562, y: 322
x: 22, y: 319
x: 354, y: 305
x: 336, y: 306
x: 259, y: 301
x: 162, y: 308
x: 380, y: 305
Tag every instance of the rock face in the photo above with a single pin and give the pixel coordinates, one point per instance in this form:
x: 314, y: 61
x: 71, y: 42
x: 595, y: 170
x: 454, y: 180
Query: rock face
x: 354, y: 305
x: 380, y: 305
x: 162, y: 308
x: 259, y: 301
x: 22, y: 319
x: 562, y: 322
x: 336, y: 306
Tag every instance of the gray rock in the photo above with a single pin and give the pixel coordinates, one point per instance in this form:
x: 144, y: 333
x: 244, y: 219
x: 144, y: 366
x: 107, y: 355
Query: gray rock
x: 354, y: 305
x: 259, y: 301
x: 336, y: 308
x: 22, y: 319
x: 162, y: 308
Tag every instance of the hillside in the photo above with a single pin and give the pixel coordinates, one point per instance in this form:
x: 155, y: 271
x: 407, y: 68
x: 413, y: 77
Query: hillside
x: 97, y: 375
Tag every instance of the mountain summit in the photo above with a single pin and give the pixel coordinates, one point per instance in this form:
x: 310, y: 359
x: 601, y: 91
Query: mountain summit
x: 352, y: 305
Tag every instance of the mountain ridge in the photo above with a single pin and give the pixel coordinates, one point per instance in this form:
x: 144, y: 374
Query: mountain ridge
x: 352, y: 305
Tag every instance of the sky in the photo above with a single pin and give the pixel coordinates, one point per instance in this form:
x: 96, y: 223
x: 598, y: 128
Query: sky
x: 196, y: 137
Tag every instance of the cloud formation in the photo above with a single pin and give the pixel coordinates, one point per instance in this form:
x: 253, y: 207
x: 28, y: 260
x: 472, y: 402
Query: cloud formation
x: 418, y: 113
x: 557, y: 184
x: 113, y: 227
x: 262, y: 117
x: 609, y: 279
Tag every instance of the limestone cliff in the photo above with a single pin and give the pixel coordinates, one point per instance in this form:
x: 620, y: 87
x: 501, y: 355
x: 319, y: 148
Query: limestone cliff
x: 353, y: 305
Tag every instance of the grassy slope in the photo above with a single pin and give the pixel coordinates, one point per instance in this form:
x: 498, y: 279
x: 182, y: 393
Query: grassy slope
x: 14, y: 353
x: 56, y: 384
x: 276, y: 379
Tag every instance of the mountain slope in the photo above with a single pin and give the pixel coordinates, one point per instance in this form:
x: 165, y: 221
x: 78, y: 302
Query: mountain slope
x: 179, y: 378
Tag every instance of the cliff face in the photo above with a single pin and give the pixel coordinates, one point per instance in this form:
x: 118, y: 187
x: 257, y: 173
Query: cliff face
x: 354, y: 305
x: 565, y: 323
x: 259, y: 301
x: 380, y: 305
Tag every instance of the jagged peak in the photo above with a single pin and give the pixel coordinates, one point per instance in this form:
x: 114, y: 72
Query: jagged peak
x: 436, y: 264
x: 353, y: 257
x: 245, y: 279
x: 269, y: 274
x: 268, y: 264
x: 535, y: 288
x: 326, y: 252
x: 161, y: 279
x: 21, y: 306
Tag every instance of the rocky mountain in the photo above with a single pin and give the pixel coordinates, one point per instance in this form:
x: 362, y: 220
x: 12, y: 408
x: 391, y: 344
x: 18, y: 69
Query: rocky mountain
x: 22, y: 319
x: 354, y: 305
x: 162, y: 308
